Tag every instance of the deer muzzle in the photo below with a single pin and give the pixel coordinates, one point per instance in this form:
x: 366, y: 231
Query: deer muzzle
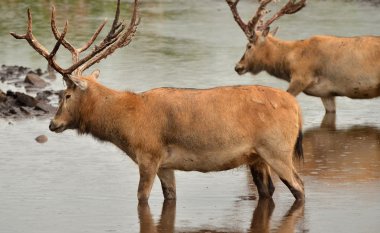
x: 56, y: 127
x: 240, y: 69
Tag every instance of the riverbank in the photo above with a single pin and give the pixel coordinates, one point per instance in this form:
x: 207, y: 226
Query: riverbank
x: 26, y: 93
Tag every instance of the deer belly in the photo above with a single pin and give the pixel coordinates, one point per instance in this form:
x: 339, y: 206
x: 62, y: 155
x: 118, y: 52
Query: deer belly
x: 363, y: 88
x: 179, y: 158
x: 321, y: 87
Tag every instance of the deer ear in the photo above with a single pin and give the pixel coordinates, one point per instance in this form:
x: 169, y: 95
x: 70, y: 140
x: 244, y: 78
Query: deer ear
x: 95, y: 74
x: 274, y: 32
x: 82, y: 84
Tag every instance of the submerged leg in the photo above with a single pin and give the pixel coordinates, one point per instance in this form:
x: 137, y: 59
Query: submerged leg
x: 262, y: 216
x: 167, y: 179
x: 329, y: 103
x: 262, y: 179
x: 328, y: 121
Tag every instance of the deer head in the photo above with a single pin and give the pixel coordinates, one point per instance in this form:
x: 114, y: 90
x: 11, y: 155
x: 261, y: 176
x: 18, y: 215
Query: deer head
x: 257, y: 31
x: 78, y: 86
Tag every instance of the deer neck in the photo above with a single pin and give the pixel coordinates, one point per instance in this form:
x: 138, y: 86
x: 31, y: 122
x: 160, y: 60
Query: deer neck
x: 105, y: 113
x: 276, y: 61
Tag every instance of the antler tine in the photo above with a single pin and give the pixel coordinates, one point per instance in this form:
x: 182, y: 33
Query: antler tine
x: 239, y: 21
x: 261, y: 11
x: 290, y: 8
x: 74, y: 51
x: 29, y: 37
x: 116, y: 38
x: 250, y: 28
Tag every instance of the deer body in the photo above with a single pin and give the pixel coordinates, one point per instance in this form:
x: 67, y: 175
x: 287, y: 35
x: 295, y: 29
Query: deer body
x: 167, y: 129
x: 322, y: 66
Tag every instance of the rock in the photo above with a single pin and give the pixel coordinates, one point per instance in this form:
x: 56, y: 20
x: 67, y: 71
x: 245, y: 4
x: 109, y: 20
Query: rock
x: 51, y: 73
x: 41, y: 139
x: 47, y: 108
x: 12, y: 111
x: 26, y: 100
x: 35, y: 80
x: 3, y: 96
x: 44, y: 95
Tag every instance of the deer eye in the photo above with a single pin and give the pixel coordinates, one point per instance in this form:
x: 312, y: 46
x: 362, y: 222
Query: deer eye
x: 67, y: 96
x: 249, y: 46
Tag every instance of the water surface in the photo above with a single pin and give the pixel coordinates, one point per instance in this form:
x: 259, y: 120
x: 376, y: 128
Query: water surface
x: 77, y: 184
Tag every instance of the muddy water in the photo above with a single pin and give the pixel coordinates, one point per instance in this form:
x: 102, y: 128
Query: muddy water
x: 77, y: 184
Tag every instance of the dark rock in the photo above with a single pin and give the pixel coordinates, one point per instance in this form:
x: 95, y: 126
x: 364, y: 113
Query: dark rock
x: 41, y: 139
x: 11, y: 93
x: 35, y: 80
x: 24, y: 110
x: 39, y: 72
x: 12, y: 111
x: 44, y: 95
x: 26, y: 100
x: 3, y: 96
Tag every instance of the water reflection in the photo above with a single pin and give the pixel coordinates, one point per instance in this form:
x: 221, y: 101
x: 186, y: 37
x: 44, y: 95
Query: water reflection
x: 261, y: 219
x: 348, y: 154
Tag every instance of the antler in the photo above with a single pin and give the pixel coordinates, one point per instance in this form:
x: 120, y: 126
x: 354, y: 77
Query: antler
x: 290, y: 8
x: 118, y: 37
x: 250, y: 28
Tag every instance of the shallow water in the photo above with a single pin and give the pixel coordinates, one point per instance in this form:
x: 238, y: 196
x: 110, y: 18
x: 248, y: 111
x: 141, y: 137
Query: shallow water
x: 77, y: 184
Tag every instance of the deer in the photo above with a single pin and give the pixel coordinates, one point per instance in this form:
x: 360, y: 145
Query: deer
x: 168, y: 129
x: 321, y: 66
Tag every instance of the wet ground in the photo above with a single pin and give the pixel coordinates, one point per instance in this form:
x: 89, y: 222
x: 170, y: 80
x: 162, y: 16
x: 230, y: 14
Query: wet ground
x: 76, y: 184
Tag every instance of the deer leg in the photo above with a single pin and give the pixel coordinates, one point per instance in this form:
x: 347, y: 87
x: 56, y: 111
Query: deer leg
x: 298, y: 84
x: 262, y: 179
x: 294, y: 183
x: 328, y: 121
x: 167, y: 219
x: 148, y: 172
x: 167, y: 179
x: 283, y: 166
x: 329, y: 103
x: 145, y: 218
x: 262, y: 216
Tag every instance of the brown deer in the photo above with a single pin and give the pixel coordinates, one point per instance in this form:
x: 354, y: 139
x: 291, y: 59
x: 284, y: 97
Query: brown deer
x: 322, y: 66
x: 167, y: 129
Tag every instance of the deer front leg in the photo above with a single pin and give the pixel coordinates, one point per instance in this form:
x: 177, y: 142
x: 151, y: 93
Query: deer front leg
x: 167, y: 179
x: 148, y: 171
x: 262, y: 179
x: 298, y: 84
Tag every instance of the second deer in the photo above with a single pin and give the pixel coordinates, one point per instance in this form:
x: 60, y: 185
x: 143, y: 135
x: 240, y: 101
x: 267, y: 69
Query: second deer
x: 321, y: 66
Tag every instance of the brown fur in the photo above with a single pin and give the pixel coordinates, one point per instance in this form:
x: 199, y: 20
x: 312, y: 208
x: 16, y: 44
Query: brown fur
x: 167, y: 129
x: 322, y: 66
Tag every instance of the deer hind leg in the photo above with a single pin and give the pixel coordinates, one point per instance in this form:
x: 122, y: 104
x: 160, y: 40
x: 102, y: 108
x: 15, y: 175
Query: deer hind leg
x: 167, y: 179
x: 294, y: 184
x: 262, y: 179
x: 329, y: 103
x: 283, y: 166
